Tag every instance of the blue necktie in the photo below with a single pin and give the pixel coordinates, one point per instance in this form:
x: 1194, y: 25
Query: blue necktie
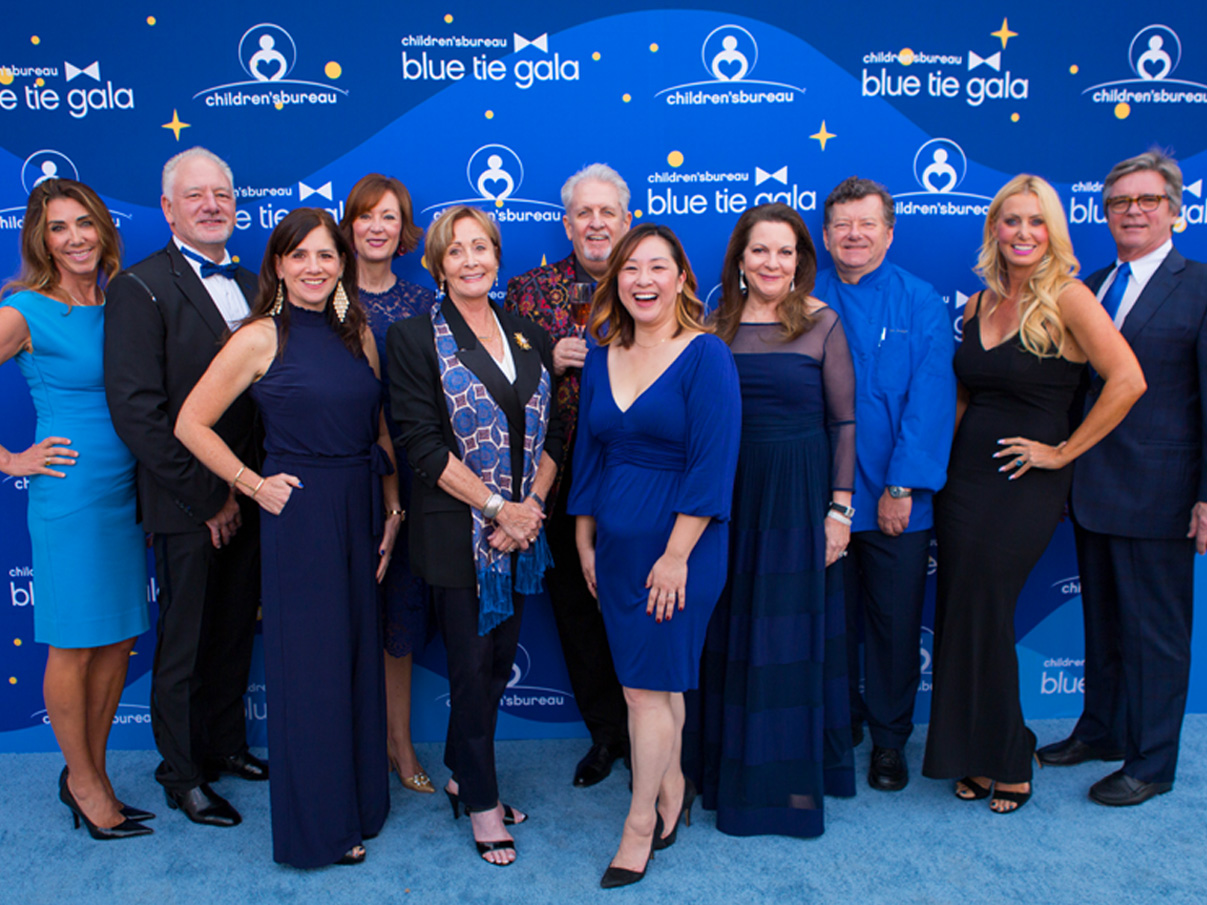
x: 209, y: 268
x: 1114, y: 295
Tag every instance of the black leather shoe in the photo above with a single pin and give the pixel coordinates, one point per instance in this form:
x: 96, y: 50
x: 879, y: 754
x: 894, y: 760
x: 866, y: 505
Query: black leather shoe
x: 242, y: 764
x: 201, y: 804
x: 887, y: 771
x: 1120, y: 790
x: 595, y: 766
x: 1073, y: 751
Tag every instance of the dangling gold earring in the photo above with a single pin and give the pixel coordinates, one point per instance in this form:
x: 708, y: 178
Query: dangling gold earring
x: 340, y: 301
x: 278, y: 303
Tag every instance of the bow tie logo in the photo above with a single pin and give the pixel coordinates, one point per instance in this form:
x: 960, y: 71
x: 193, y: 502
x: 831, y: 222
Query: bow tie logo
x: 541, y: 43
x: 993, y: 61
x: 93, y: 71
x: 761, y: 175
x: 305, y: 191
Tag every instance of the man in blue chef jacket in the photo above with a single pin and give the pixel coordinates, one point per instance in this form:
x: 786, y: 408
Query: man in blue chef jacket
x: 901, y: 341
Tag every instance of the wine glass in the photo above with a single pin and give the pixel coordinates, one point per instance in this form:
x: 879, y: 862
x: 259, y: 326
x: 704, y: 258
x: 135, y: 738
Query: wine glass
x: 580, y: 296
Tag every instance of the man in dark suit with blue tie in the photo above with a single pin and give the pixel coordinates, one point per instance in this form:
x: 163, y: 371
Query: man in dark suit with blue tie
x: 165, y: 319
x: 1135, y: 493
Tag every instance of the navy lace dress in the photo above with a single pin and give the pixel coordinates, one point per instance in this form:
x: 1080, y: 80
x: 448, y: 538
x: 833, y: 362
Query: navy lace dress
x: 407, y: 599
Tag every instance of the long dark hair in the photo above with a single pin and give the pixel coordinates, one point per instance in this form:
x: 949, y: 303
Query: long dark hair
x: 793, y: 311
x: 611, y: 321
x: 289, y: 234
x: 38, y: 270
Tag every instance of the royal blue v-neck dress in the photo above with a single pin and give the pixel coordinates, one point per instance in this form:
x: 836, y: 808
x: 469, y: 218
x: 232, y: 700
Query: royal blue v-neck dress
x: 322, y: 628
x: 674, y: 450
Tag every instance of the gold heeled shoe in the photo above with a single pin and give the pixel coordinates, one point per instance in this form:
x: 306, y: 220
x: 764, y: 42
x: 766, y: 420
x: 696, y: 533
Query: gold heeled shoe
x: 420, y: 782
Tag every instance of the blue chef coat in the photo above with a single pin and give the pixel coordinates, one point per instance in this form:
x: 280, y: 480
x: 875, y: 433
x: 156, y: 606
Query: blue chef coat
x: 901, y: 342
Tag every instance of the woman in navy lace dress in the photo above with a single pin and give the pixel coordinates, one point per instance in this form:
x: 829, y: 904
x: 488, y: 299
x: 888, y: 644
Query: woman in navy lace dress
x: 378, y: 222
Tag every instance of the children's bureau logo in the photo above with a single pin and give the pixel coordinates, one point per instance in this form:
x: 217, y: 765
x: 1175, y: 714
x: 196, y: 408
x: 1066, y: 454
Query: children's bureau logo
x: 1153, y: 55
x: 268, y: 55
x: 940, y: 167
x: 495, y: 173
x: 36, y: 169
x: 729, y: 54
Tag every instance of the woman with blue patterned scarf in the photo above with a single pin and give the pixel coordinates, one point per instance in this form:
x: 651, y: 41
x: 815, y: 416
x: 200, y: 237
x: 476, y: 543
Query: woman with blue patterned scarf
x: 471, y: 389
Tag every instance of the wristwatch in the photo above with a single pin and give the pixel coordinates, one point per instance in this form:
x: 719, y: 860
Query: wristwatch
x: 845, y: 511
x: 898, y: 493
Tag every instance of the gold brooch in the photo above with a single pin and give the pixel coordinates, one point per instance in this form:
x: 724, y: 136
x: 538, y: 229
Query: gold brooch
x: 522, y: 341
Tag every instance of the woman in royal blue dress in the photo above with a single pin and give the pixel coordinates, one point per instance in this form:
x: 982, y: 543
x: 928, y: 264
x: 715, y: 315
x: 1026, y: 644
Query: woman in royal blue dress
x: 659, y: 418
x: 309, y: 357
x: 775, y: 720
x: 379, y: 222
x: 89, y: 553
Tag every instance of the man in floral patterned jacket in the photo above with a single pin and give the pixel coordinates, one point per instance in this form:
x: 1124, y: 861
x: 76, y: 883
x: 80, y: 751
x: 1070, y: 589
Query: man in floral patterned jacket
x: 596, y: 199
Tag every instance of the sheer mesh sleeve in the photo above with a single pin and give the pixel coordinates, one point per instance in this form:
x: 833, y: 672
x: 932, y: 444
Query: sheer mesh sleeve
x: 838, y: 381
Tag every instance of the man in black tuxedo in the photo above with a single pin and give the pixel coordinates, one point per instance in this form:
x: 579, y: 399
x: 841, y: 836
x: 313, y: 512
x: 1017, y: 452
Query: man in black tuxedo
x: 1134, y: 493
x: 165, y: 319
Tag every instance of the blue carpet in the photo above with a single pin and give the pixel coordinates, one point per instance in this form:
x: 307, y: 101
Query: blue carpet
x: 917, y: 846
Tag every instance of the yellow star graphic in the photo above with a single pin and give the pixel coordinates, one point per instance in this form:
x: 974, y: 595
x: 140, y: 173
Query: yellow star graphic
x: 823, y: 136
x: 176, y: 125
x: 1004, y: 33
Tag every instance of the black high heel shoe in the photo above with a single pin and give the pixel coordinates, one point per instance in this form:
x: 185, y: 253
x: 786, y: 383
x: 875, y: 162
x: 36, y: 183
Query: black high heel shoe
x: 128, y: 811
x: 622, y: 876
x: 509, y: 814
x: 685, y: 812
x: 124, y: 830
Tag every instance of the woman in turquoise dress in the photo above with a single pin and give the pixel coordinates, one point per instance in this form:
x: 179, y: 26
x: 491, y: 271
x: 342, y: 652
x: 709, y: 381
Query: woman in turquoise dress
x: 658, y: 426
x: 379, y: 223
x: 330, y: 517
x: 89, y: 553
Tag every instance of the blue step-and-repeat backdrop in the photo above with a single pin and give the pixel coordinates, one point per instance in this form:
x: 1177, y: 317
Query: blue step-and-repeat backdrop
x: 705, y: 107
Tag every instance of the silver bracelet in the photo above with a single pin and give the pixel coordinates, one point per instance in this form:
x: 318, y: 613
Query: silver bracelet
x: 493, y: 506
x: 838, y: 517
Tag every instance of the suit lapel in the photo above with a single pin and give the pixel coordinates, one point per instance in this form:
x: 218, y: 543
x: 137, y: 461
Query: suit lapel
x: 1094, y: 281
x: 194, y: 291
x: 249, y: 285
x: 1160, y: 287
x: 474, y: 356
x: 527, y: 361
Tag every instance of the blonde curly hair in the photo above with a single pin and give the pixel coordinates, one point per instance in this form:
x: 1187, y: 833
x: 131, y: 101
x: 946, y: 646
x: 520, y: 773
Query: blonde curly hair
x: 1041, y: 328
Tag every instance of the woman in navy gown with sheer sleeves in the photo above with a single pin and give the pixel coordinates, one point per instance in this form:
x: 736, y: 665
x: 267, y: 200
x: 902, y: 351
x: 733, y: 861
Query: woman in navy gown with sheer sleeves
x: 379, y: 223
x: 659, y: 417
x: 775, y: 720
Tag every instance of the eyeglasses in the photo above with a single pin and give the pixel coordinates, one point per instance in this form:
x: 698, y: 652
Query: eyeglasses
x: 1121, y: 204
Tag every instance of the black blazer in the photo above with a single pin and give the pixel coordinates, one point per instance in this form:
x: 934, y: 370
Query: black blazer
x: 441, y: 526
x: 1143, y: 478
x: 162, y: 329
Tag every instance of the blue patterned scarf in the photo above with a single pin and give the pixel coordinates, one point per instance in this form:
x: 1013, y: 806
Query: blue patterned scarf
x: 484, y: 444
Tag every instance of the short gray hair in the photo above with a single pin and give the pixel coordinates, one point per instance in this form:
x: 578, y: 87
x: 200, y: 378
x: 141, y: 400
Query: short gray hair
x: 1157, y: 161
x: 854, y: 188
x: 169, y: 168
x: 599, y: 172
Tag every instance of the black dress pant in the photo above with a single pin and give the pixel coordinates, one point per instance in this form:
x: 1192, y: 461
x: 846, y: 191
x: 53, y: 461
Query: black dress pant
x: 479, y: 668
x: 885, y: 585
x: 580, y: 628
x: 1137, y: 597
x: 208, y: 601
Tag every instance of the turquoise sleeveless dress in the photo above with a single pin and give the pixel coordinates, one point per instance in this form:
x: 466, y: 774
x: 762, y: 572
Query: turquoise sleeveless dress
x: 89, y: 552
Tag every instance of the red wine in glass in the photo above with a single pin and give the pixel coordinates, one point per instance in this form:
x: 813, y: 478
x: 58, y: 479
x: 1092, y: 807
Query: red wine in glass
x: 580, y: 305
